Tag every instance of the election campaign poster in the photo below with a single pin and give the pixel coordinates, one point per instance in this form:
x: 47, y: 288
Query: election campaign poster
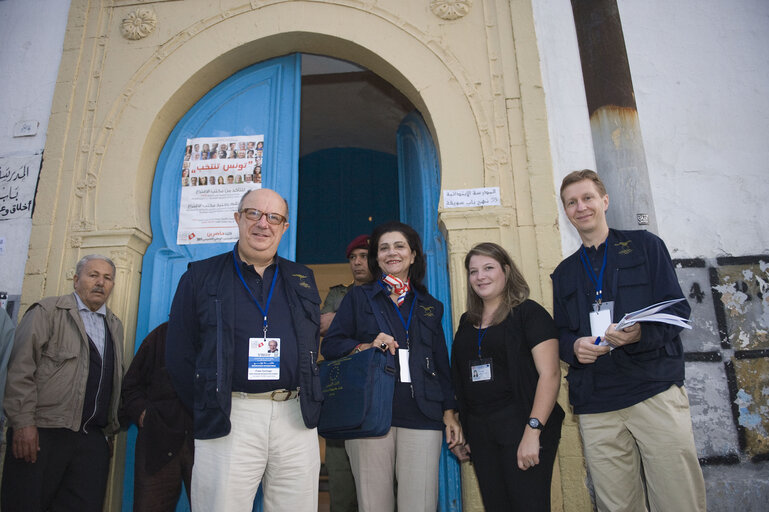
x: 215, y: 173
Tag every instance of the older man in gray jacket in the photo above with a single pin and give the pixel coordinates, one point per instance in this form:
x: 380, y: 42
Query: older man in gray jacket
x: 62, y: 396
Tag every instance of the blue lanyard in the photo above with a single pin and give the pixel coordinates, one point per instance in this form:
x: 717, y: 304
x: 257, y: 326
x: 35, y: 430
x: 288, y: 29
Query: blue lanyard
x: 269, y: 296
x: 481, y: 334
x: 397, y: 310
x: 597, y: 280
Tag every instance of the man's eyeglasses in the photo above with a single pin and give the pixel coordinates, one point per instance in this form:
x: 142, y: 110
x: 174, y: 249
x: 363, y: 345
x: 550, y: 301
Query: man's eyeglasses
x: 254, y: 215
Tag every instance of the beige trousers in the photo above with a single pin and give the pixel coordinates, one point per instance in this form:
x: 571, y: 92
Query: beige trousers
x: 411, y: 456
x: 268, y: 443
x: 654, y: 437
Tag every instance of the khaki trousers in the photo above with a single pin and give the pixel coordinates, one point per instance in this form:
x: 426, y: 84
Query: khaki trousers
x: 268, y: 443
x: 412, y: 456
x: 654, y: 437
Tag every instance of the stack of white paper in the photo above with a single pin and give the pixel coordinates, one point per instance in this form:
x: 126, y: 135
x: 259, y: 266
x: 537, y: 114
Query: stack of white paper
x: 652, y: 314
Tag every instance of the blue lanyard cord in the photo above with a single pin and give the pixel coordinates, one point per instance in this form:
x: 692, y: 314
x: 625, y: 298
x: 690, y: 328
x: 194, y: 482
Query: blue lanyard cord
x: 481, y: 334
x: 397, y: 310
x: 269, y: 296
x: 597, y: 280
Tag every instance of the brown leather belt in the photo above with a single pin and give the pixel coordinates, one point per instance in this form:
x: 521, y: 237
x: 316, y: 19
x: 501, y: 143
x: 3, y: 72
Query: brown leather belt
x: 279, y: 395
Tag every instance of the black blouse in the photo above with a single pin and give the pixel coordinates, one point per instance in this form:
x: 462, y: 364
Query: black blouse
x: 509, y: 345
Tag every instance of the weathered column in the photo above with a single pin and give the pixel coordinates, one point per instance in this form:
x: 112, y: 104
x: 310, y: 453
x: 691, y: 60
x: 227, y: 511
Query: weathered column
x: 619, y: 151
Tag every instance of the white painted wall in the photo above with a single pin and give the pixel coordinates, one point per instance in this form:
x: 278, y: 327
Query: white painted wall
x: 700, y: 73
x: 31, y: 42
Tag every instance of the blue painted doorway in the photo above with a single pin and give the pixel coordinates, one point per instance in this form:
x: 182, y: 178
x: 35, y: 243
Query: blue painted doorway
x: 264, y: 99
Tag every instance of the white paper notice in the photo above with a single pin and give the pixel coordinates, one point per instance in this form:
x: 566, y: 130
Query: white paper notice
x: 18, y: 183
x: 215, y: 174
x: 469, y: 197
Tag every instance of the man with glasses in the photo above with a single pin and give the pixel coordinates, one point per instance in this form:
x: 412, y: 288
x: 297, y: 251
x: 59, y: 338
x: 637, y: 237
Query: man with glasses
x: 254, y: 414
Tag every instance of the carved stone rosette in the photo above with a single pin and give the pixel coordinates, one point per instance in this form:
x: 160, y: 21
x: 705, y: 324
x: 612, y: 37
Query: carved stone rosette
x: 450, y: 9
x: 139, y: 23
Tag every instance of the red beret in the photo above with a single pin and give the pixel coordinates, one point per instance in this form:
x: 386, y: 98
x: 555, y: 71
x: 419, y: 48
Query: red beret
x: 360, y: 242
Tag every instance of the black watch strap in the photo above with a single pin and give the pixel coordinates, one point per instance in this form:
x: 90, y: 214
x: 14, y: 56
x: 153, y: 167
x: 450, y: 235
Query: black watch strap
x: 535, y: 423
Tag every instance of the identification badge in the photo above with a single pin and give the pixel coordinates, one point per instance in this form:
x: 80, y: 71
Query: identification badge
x: 600, y: 318
x: 480, y: 370
x: 403, y: 361
x: 263, y: 358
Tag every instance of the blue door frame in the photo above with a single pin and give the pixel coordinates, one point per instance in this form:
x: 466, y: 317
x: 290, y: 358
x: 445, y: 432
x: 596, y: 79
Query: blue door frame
x: 264, y: 99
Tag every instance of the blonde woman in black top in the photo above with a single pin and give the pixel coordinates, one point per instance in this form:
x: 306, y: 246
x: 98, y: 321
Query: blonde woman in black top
x: 506, y: 376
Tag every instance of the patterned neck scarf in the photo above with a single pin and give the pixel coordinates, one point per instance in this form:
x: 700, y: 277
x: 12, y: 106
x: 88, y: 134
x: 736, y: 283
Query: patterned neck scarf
x: 395, y: 285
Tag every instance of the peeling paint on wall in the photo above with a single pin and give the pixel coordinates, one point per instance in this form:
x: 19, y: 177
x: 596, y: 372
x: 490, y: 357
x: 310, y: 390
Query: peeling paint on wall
x: 742, y: 290
x: 727, y: 354
x: 752, y: 377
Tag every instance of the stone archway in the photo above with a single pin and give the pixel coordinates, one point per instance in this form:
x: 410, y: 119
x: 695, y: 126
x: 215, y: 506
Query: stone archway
x: 179, y: 72
x: 117, y: 100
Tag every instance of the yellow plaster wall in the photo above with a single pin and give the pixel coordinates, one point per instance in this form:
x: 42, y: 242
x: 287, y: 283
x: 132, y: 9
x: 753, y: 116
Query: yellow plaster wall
x: 476, y: 80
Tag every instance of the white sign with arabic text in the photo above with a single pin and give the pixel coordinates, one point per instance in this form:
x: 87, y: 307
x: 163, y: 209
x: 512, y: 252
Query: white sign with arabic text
x: 470, y: 197
x: 18, y: 182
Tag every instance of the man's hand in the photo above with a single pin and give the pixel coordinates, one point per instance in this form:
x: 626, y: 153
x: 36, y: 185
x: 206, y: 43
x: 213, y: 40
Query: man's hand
x: 624, y: 336
x: 587, y: 351
x: 26, y: 443
x: 325, y: 322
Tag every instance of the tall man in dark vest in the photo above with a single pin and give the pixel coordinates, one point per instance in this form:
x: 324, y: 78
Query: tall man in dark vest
x: 627, y: 386
x: 62, y: 397
x: 254, y: 411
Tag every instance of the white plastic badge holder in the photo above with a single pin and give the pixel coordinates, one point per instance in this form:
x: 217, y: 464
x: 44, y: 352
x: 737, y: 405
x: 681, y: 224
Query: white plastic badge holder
x: 403, y: 361
x: 600, y: 318
x: 480, y: 370
x: 263, y: 358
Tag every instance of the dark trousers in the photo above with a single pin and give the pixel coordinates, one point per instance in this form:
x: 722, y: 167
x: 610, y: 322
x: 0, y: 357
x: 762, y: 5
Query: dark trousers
x: 341, y: 483
x: 160, y: 491
x: 70, y: 473
x: 494, y: 444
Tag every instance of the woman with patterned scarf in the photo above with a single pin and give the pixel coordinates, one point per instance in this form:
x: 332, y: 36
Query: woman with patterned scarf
x: 409, y: 327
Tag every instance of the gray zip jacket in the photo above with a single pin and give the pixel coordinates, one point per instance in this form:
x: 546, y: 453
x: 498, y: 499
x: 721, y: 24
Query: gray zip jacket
x: 48, y: 369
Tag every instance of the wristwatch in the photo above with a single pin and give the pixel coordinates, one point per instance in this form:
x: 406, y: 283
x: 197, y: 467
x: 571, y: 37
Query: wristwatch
x: 535, y: 423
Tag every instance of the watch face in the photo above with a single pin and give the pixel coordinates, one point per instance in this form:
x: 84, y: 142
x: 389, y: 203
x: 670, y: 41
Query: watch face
x: 534, y: 423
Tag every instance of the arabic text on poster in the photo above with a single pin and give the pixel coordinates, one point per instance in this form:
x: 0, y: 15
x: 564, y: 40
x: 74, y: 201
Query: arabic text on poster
x: 216, y: 172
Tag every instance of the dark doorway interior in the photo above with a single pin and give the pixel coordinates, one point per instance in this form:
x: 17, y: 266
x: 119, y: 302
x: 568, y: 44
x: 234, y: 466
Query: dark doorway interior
x: 348, y: 171
x: 348, y: 176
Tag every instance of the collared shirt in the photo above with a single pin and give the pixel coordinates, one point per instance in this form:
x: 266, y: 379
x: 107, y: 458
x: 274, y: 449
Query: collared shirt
x: 249, y: 324
x: 94, y: 323
x: 595, y: 257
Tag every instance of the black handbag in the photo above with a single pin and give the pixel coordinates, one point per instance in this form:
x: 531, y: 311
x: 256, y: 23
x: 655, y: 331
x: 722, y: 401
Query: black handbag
x: 357, y: 395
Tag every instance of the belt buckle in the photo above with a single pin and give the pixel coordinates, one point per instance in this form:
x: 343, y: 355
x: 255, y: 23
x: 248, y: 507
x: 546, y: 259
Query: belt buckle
x: 276, y: 393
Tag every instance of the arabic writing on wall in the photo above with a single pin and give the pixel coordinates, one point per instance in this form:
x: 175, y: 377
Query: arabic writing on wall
x: 18, y: 182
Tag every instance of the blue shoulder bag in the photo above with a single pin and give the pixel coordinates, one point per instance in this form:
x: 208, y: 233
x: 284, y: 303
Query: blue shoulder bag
x: 357, y: 395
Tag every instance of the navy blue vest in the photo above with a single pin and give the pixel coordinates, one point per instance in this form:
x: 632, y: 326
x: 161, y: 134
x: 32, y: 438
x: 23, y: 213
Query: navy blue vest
x: 98, y: 387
